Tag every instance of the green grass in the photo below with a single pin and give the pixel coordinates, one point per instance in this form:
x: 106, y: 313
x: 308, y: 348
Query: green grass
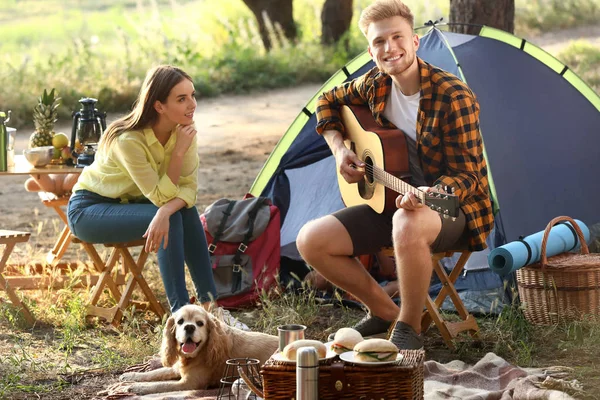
x: 103, y: 48
x: 64, y: 349
x: 63, y: 345
x: 536, y: 16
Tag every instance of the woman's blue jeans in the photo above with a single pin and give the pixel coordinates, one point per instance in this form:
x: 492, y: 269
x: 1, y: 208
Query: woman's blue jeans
x: 98, y: 219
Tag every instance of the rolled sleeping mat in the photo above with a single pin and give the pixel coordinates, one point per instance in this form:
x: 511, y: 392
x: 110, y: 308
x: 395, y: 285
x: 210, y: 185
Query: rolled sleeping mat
x: 514, y: 255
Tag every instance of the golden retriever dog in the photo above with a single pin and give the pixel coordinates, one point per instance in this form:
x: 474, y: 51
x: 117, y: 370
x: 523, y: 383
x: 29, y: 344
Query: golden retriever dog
x: 194, y: 349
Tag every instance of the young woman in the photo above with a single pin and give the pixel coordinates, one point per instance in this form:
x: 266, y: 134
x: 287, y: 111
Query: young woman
x: 143, y: 183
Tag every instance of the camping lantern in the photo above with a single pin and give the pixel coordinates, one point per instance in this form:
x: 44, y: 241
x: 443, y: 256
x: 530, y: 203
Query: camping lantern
x: 88, y: 125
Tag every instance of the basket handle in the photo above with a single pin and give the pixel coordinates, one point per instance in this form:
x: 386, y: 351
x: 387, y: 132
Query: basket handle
x: 584, y: 246
x: 249, y: 382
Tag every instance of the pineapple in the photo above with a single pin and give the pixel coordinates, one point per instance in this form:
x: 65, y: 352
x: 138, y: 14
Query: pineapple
x: 45, y: 114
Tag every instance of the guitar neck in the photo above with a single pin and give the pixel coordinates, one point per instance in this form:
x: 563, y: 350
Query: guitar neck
x: 396, y: 184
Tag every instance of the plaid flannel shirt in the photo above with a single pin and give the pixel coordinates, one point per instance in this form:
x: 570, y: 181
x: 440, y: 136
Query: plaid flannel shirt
x: 449, y: 144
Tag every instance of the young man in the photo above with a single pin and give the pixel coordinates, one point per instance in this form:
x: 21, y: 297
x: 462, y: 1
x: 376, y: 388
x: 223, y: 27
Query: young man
x: 440, y: 117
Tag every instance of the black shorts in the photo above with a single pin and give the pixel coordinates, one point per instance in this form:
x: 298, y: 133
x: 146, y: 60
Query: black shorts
x: 370, y: 231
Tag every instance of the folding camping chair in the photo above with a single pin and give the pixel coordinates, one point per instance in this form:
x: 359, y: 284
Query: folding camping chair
x: 64, y: 240
x: 119, y: 251
x: 449, y: 330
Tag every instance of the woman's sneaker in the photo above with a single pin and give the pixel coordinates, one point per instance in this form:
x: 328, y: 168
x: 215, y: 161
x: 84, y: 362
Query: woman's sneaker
x: 225, y: 316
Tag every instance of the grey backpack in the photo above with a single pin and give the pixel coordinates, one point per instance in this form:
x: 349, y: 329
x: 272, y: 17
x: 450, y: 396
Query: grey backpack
x: 237, y: 220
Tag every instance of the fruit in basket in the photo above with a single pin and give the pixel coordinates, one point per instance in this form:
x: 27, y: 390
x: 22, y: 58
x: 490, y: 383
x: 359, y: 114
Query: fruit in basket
x: 60, y: 140
x: 45, y: 114
x: 56, y: 154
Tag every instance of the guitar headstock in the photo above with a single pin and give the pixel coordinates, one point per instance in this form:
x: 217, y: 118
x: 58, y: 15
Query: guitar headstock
x: 446, y: 204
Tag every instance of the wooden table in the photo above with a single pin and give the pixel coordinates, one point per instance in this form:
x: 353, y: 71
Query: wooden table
x: 22, y: 167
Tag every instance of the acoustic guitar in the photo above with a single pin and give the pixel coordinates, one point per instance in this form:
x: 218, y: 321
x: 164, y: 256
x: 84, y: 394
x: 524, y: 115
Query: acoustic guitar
x: 385, y: 154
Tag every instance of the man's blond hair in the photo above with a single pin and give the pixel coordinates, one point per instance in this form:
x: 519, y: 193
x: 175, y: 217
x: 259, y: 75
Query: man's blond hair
x: 384, y: 9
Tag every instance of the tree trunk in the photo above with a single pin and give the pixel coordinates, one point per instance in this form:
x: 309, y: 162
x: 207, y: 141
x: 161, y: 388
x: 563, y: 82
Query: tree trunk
x: 279, y: 13
x: 495, y: 13
x: 335, y: 20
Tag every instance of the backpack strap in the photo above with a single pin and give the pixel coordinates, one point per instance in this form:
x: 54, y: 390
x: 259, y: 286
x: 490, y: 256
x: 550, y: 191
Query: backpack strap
x: 251, y: 218
x: 226, y: 214
x: 236, y: 282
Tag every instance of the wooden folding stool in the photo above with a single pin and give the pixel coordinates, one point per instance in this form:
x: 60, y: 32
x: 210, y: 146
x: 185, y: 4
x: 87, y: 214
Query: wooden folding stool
x: 9, y: 239
x: 449, y: 330
x: 64, y: 239
x: 120, y: 251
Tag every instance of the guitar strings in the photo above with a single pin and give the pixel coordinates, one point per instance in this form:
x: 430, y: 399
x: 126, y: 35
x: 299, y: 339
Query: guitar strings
x: 394, y: 183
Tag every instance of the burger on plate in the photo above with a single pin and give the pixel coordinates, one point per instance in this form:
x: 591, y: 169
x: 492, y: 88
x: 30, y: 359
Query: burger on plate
x: 375, y: 350
x: 345, y: 339
x: 289, y: 351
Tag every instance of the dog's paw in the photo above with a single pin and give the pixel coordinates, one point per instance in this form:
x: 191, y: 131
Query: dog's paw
x: 141, y: 388
x: 129, y: 377
x: 116, y: 389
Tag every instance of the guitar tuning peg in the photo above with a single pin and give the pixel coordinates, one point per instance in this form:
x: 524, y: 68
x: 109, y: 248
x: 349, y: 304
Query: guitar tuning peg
x: 453, y: 219
x: 439, y: 209
x: 446, y: 216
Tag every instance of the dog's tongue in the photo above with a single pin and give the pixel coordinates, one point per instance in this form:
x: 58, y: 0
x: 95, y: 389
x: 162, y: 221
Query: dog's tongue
x: 189, y: 347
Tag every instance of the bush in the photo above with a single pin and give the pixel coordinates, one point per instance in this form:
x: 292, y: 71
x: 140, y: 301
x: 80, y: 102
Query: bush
x: 584, y: 59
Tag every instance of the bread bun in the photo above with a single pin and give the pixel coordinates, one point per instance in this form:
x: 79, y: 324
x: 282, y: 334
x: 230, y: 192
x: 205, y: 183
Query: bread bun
x: 375, y: 350
x: 289, y: 351
x: 345, y: 339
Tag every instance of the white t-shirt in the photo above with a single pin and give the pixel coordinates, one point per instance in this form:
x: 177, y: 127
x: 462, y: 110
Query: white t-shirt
x: 402, y: 111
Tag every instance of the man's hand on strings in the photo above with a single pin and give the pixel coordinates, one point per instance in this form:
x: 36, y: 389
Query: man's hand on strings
x: 349, y: 165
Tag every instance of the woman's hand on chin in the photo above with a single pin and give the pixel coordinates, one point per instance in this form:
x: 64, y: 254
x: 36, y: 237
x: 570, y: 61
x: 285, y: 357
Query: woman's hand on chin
x: 185, y: 136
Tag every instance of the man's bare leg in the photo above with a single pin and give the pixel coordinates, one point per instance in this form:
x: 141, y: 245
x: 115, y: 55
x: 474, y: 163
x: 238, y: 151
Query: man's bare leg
x: 413, y: 233
x: 326, y: 245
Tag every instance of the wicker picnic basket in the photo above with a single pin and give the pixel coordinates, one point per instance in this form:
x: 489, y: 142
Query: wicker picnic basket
x: 339, y: 380
x: 565, y: 287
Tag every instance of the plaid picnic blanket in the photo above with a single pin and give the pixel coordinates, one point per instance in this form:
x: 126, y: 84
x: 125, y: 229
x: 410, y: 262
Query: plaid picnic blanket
x: 491, y: 378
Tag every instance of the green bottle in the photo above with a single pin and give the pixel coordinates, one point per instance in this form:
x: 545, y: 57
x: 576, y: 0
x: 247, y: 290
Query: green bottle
x: 3, y: 141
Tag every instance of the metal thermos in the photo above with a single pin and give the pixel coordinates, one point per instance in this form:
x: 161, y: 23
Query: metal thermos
x: 307, y: 374
x: 3, y: 141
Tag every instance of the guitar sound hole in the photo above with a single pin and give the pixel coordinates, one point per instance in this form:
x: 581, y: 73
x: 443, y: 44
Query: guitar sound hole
x: 366, y: 187
x: 369, y: 170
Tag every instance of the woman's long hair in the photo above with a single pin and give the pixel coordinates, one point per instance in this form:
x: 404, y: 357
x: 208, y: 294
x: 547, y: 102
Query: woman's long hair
x: 157, y: 86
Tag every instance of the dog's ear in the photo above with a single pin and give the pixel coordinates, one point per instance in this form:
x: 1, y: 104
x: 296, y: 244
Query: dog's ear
x: 168, y: 350
x: 218, y: 343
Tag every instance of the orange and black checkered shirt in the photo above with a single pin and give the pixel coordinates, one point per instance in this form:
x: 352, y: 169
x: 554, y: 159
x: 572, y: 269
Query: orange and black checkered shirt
x: 449, y: 143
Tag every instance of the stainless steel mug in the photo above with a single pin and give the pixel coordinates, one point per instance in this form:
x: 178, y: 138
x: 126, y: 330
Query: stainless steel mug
x: 290, y: 333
